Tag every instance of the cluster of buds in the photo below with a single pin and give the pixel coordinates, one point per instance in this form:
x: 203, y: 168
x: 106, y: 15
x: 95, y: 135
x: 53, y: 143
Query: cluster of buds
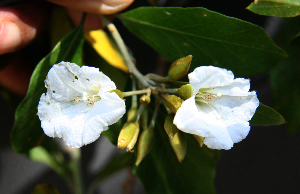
x: 129, y: 133
x: 214, y: 107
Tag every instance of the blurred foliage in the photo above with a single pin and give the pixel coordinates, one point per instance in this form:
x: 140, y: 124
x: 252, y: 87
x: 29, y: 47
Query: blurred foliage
x: 285, y: 76
x: 45, y: 189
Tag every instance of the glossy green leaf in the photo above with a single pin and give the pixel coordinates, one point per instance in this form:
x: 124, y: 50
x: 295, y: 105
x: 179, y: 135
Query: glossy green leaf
x: 265, y: 116
x: 278, y: 8
x: 27, y: 131
x: 211, y: 38
x: 161, y: 172
x: 116, y: 75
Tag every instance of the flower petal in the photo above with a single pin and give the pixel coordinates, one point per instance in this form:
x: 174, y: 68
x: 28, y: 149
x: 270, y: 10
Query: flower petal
x: 236, y: 112
x: 238, y: 87
x: 106, y: 112
x: 204, y: 123
x: 78, y: 124
x: 61, y: 81
x: 209, y: 77
x: 91, y: 77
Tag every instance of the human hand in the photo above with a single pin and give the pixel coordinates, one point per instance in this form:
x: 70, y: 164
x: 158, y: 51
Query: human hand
x: 22, y: 22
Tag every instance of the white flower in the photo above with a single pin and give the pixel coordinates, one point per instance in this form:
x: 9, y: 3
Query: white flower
x: 219, y: 109
x: 77, y: 106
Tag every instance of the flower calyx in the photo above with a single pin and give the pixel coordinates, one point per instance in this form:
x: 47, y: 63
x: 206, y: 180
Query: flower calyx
x: 179, y: 145
x: 199, y: 139
x: 118, y: 92
x: 170, y: 128
x: 173, y: 103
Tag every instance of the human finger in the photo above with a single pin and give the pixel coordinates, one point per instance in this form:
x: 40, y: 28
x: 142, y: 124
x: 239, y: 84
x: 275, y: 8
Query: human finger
x: 20, y: 23
x: 95, y: 6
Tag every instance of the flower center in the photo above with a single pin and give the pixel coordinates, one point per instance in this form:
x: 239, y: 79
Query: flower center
x: 208, y: 96
x: 90, y: 99
x: 202, y: 100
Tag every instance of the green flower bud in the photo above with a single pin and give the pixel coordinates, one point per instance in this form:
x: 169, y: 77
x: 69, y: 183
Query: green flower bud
x: 173, y: 103
x: 180, y: 68
x: 179, y: 145
x: 145, y: 144
x: 145, y: 100
x: 118, y: 92
x: 131, y: 144
x: 199, y: 139
x: 186, y: 91
x: 128, y: 135
x: 170, y: 128
x: 131, y: 113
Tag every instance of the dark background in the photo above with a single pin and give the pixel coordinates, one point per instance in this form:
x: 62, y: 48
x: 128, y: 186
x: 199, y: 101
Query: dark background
x: 267, y: 161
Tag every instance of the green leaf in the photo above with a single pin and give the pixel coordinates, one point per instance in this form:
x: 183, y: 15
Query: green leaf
x: 161, y: 172
x: 27, y: 131
x: 266, y: 116
x: 278, y: 8
x: 212, y: 38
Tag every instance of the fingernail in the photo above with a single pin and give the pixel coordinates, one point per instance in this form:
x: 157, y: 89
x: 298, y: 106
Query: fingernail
x: 10, y: 37
x: 114, y: 6
x: 116, y: 2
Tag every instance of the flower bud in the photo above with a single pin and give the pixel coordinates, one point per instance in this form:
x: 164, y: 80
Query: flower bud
x: 180, y: 68
x: 199, y: 139
x: 179, y: 145
x: 131, y: 144
x: 118, y: 92
x: 170, y: 128
x: 145, y: 144
x: 173, y: 103
x: 145, y: 100
x: 128, y: 135
x: 131, y: 113
x: 186, y: 91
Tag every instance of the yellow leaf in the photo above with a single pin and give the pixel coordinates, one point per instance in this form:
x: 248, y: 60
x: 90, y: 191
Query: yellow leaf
x: 106, y: 48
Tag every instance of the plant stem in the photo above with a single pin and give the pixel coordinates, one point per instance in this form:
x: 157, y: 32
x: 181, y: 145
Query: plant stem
x: 77, y: 173
x: 155, y: 113
x: 157, y: 78
x: 119, y: 41
x: 165, y: 90
x: 138, y: 114
x: 144, y: 119
x: 134, y: 103
x: 131, y: 93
